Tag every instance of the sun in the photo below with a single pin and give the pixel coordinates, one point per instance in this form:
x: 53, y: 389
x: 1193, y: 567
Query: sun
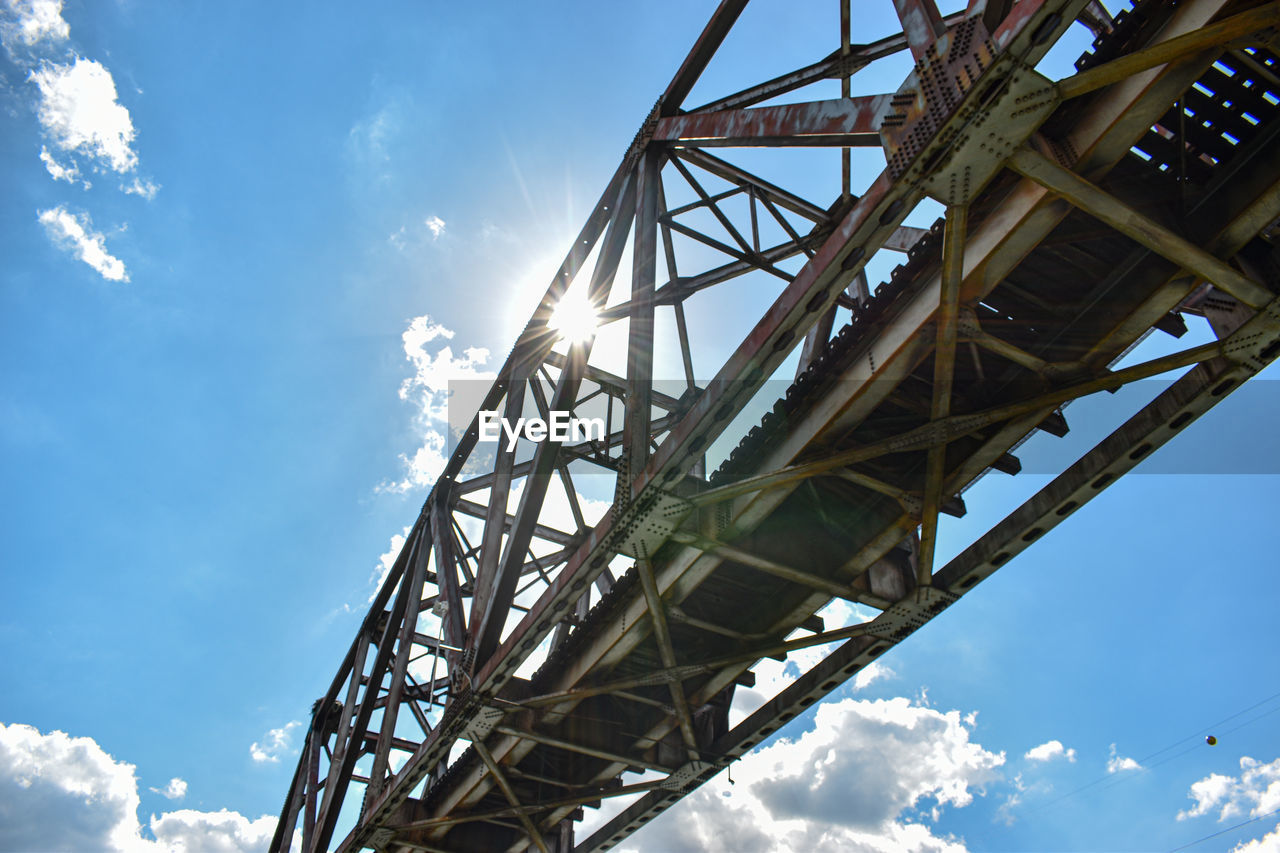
x: 575, y: 318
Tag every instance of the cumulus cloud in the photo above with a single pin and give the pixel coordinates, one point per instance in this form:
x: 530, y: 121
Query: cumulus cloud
x: 275, y: 742
x: 870, y: 776
x: 175, y: 790
x: 74, y: 233
x: 62, y: 792
x: 435, y: 225
x: 30, y: 22
x: 1269, y: 843
x: 79, y: 111
x: 1054, y: 749
x: 434, y: 366
x: 188, y: 831
x: 59, y: 792
x: 1120, y: 763
x: 1255, y: 792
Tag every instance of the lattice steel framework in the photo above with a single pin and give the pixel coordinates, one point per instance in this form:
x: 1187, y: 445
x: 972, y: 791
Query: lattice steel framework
x: 1080, y: 215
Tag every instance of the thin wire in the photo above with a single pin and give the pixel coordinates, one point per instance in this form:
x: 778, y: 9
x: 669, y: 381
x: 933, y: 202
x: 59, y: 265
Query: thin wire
x: 1143, y: 761
x: 1225, y: 831
x: 1209, y: 728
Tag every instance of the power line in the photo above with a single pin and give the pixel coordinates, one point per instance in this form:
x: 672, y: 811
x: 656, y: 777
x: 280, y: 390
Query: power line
x: 1143, y: 761
x: 1225, y: 831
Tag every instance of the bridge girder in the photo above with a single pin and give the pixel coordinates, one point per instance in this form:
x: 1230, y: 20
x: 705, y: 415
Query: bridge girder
x: 1080, y: 215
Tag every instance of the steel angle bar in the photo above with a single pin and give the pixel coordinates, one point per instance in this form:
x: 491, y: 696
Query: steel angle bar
x: 1129, y: 222
x: 507, y: 791
x: 952, y: 427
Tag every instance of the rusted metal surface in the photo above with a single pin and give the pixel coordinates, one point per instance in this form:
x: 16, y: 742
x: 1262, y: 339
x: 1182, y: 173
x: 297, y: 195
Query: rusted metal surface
x: 1081, y: 215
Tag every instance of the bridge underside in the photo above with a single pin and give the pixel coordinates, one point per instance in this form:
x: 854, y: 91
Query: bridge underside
x: 523, y: 661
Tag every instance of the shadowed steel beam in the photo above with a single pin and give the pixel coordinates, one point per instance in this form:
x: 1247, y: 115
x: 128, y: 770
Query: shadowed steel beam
x: 1223, y: 31
x: 924, y: 437
x: 570, y: 746
x: 510, y: 794
x: 577, y: 800
x: 685, y: 671
x: 944, y: 367
x: 737, y: 555
x: 662, y: 633
x: 1108, y: 209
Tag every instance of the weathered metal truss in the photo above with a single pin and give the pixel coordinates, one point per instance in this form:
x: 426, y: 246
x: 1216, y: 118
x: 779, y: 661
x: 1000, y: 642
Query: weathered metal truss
x: 1080, y: 215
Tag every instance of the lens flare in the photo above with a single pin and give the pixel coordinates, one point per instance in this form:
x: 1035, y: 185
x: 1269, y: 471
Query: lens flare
x: 575, y: 318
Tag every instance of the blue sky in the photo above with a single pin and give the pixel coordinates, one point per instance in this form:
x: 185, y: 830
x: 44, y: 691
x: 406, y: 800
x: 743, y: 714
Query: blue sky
x: 221, y: 227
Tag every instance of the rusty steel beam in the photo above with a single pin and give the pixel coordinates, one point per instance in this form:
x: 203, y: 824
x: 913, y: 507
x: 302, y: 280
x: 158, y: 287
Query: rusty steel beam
x: 840, y: 122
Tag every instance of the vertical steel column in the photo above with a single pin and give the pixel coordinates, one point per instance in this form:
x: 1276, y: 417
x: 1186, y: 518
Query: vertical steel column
x: 846, y: 163
x: 944, y: 367
x: 495, y: 521
x: 636, y: 428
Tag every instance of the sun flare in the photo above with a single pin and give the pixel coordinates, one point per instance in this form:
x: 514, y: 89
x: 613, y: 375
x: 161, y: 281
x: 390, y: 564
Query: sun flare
x: 575, y: 318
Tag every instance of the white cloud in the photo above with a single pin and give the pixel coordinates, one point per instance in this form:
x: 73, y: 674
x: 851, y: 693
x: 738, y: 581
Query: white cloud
x: 188, y: 831
x: 386, y: 561
x: 57, y: 170
x: 870, y: 674
x: 847, y: 785
x: 79, y: 111
x: 175, y: 790
x: 1054, y: 749
x: 428, y: 389
x: 1269, y: 843
x: 74, y: 233
x: 1256, y: 792
x: 1120, y: 763
x: 59, y: 792
x: 30, y: 22
x: 139, y: 186
x: 275, y: 743
x: 435, y: 225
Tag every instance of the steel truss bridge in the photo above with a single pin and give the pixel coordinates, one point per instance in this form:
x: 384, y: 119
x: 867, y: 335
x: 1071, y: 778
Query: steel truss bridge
x: 1080, y: 215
